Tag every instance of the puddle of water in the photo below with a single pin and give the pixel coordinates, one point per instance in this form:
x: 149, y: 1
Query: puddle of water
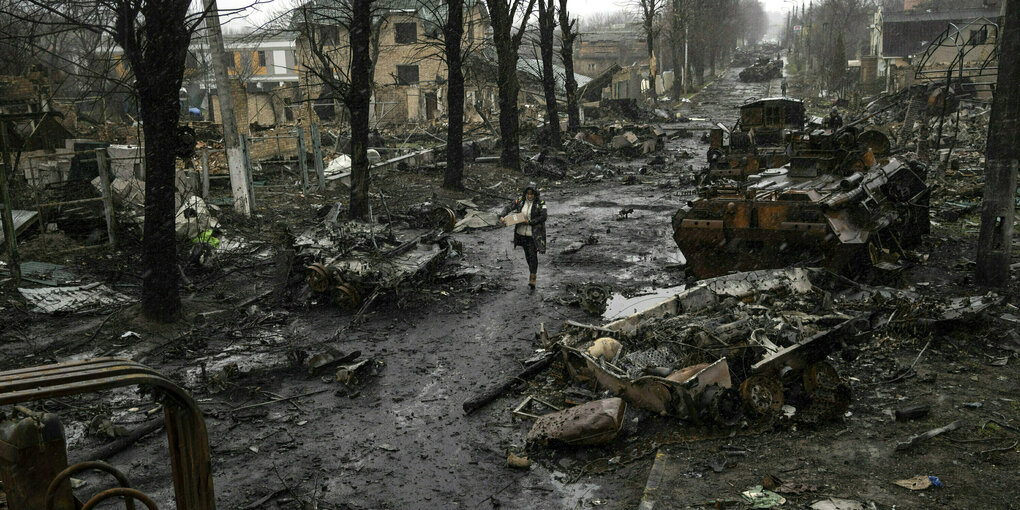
x: 619, y: 306
x: 572, y: 493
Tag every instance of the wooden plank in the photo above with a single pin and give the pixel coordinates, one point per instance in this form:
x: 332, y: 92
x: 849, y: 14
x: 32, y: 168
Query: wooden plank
x: 22, y: 220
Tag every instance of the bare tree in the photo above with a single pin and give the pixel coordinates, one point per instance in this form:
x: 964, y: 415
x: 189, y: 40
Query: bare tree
x: 454, y: 41
x: 502, y: 14
x: 357, y: 99
x: 651, y: 12
x: 345, y: 72
x: 453, y: 32
x: 568, y: 32
x: 546, y: 29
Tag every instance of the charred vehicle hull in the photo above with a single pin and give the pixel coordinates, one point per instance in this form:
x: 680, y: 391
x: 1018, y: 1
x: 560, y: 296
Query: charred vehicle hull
x: 782, y: 219
x: 760, y: 140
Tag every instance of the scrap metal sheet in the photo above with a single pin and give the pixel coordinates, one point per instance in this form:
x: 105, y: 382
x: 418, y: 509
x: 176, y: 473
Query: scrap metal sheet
x: 72, y: 299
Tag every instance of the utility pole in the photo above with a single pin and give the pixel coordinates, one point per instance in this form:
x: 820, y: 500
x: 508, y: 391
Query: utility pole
x: 998, y: 204
x: 683, y: 72
x: 8, y: 223
x: 231, y: 140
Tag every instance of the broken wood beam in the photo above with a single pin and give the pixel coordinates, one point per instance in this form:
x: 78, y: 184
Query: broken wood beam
x: 113, y: 448
x: 473, y: 404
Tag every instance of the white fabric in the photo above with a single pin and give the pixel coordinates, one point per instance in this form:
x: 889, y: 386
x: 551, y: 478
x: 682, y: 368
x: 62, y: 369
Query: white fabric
x: 524, y: 229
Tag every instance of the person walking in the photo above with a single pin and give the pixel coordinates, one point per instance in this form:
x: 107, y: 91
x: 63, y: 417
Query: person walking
x: 783, y: 86
x: 529, y: 232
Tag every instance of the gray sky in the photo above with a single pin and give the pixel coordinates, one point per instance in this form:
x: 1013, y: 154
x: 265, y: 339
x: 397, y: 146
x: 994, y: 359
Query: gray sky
x: 582, y: 8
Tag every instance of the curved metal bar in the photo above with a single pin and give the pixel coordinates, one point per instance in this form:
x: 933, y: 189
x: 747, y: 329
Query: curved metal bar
x: 187, y: 435
x: 128, y: 493
x: 84, y: 466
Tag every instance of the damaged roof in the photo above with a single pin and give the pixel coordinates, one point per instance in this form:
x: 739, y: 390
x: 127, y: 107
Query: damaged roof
x: 330, y: 11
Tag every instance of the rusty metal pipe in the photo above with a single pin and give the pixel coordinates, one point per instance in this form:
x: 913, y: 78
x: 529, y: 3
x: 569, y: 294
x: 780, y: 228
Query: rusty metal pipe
x: 84, y: 466
x: 128, y: 494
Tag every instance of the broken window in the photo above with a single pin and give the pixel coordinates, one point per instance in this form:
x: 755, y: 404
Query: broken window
x: 978, y: 37
x: 774, y: 115
x: 407, y: 33
x: 407, y: 75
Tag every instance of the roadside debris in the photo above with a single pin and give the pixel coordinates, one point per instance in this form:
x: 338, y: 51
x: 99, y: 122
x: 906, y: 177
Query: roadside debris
x: 920, y: 482
x: 913, y: 441
x: 593, y: 423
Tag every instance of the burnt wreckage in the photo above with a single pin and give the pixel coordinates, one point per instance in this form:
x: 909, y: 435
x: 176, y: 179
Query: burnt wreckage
x: 832, y: 196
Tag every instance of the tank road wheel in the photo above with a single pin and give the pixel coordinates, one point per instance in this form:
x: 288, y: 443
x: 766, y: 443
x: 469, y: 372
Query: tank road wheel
x: 318, y: 277
x: 828, y: 392
x: 346, y: 296
x: 762, y: 396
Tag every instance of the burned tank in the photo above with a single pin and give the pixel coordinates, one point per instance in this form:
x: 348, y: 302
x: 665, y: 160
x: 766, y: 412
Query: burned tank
x: 758, y: 141
x: 833, y: 204
x: 764, y: 69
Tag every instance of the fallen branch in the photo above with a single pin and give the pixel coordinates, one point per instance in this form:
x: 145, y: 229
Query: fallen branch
x: 109, y: 450
x: 1005, y: 449
x: 275, y: 400
x: 924, y: 436
x: 473, y: 404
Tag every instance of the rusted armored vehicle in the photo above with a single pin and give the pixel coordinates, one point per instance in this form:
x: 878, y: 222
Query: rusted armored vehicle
x: 758, y: 141
x: 834, y: 203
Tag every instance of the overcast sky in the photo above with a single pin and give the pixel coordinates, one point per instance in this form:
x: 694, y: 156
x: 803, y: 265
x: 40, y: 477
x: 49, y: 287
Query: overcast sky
x: 260, y: 12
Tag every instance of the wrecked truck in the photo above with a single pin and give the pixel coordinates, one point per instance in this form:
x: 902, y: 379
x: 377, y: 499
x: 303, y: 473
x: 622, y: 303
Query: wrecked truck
x: 713, y: 355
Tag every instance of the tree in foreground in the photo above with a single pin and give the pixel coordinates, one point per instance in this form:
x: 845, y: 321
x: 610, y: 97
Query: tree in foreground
x: 154, y: 36
x: 453, y: 32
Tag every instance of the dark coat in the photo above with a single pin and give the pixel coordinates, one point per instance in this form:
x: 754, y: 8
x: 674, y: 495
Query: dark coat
x: 537, y: 222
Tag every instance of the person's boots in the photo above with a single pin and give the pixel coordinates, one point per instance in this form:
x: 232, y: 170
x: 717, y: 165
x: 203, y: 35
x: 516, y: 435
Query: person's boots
x: 531, y: 282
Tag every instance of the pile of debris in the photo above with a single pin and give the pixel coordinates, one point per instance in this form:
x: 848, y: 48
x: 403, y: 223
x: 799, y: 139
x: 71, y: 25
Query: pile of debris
x: 764, y: 69
x: 351, y: 264
x: 740, y: 350
x: 625, y: 109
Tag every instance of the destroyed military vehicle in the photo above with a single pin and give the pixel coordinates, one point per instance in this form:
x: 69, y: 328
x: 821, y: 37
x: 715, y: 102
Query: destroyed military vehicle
x: 834, y: 203
x: 764, y: 69
x: 759, y: 139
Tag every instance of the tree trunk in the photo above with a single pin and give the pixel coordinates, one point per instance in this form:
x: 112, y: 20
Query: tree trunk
x: 159, y: 115
x: 159, y: 75
x: 568, y: 33
x: 507, y: 44
x: 546, y: 26
x: 676, y: 39
x: 998, y: 207
x: 357, y: 100
x: 454, y: 31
